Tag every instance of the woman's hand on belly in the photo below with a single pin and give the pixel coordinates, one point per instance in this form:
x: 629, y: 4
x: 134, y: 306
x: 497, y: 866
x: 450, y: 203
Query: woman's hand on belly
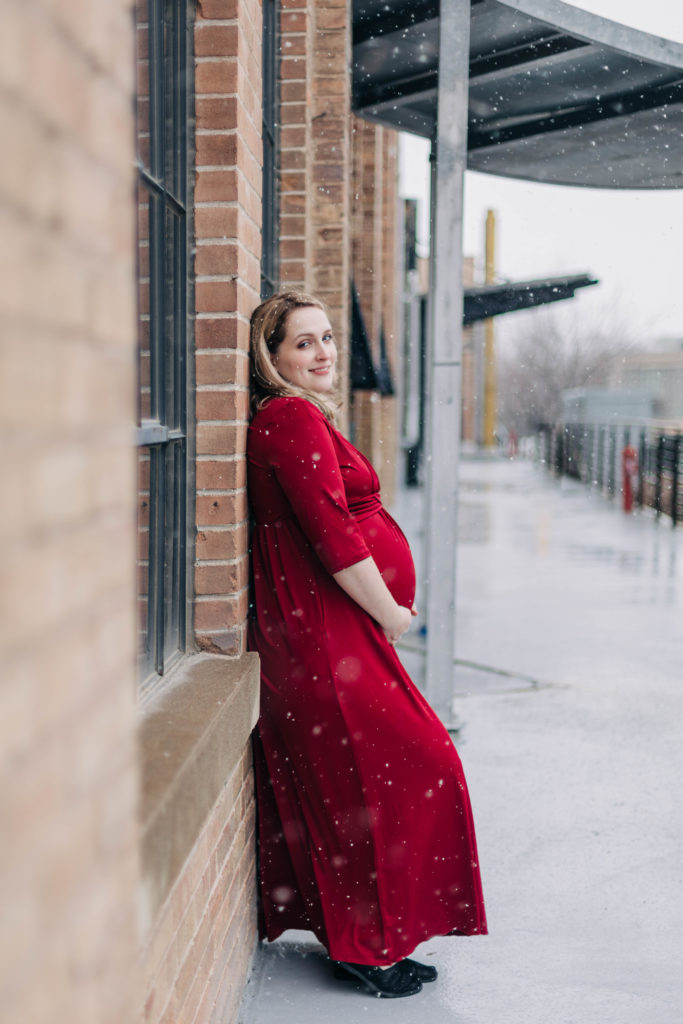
x: 363, y: 582
x: 399, y: 625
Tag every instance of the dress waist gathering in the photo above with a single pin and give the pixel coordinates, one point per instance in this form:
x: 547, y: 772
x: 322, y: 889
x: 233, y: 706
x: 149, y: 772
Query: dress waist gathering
x: 361, y: 509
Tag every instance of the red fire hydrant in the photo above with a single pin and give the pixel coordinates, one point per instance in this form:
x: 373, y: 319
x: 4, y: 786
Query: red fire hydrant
x: 629, y: 476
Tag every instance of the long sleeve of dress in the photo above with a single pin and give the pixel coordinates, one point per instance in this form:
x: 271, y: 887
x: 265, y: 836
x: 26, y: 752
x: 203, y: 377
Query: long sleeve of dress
x: 305, y: 462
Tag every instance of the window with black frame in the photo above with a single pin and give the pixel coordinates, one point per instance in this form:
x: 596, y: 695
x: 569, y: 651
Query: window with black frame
x: 163, y: 125
x: 269, y: 241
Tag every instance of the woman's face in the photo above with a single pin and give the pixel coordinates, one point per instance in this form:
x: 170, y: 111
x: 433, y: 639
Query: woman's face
x: 307, y: 354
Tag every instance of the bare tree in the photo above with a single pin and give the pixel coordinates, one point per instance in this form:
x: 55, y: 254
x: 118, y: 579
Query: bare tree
x: 549, y: 354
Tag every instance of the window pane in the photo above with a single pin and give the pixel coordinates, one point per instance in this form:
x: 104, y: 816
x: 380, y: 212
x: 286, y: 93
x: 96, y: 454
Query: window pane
x: 145, y: 648
x: 174, y: 531
x: 144, y: 354
x: 163, y: 125
x: 175, y: 135
x: 173, y: 337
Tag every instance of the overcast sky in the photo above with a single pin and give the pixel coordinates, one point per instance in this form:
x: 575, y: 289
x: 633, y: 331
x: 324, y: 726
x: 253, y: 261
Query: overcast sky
x: 630, y: 241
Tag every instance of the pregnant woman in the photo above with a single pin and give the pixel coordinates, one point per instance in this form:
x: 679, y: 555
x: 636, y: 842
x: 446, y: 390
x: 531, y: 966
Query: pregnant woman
x: 366, y: 835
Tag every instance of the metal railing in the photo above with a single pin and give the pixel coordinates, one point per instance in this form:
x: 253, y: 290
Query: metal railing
x: 592, y: 453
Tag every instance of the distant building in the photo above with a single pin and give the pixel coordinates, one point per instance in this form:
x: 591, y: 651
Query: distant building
x: 659, y: 373
x: 606, y: 405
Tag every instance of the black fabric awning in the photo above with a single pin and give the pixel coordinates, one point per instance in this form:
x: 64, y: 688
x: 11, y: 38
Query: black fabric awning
x: 556, y: 94
x: 495, y: 299
x: 363, y: 374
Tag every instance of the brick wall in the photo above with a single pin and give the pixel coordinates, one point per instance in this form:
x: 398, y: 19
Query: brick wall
x: 68, y: 863
x: 315, y: 154
x: 227, y: 268
x: 201, y: 948
x: 330, y: 173
x: 374, y: 268
x: 202, y: 933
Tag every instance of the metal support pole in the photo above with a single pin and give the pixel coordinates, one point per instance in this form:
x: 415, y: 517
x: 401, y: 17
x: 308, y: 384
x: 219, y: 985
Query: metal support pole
x: 490, y: 388
x: 443, y: 404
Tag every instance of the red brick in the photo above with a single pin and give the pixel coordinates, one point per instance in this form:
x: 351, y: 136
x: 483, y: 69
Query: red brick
x: 221, y: 368
x: 331, y: 18
x: 226, y: 544
x: 293, y: 203
x: 223, y: 332
x: 293, y: 113
x: 216, y: 260
x: 216, y: 221
x: 215, y: 40
x: 219, y: 10
x: 327, y: 150
x: 293, y: 181
x: 326, y: 173
x: 221, y: 510
x: 220, y: 579
x: 292, y: 249
x: 293, y: 68
x: 292, y: 136
x: 220, y: 613
x: 293, y: 92
x: 216, y: 474
x: 216, y: 76
x: 222, y: 405
x: 330, y: 86
x: 293, y: 45
x: 229, y: 642
x: 215, y: 439
x: 332, y: 106
x: 293, y: 272
x: 216, y: 296
x: 216, y: 150
x: 216, y: 113
x: 292, y: 159
x: 292, y: 21
x: 329, y: 127
x: 292, y: 227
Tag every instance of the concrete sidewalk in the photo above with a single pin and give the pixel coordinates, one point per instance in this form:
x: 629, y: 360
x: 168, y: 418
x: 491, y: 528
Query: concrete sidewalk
x: 570, y: 617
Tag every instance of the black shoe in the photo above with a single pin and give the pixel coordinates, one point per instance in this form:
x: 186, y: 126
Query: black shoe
x: 385, y: 983
x: 423, y: 972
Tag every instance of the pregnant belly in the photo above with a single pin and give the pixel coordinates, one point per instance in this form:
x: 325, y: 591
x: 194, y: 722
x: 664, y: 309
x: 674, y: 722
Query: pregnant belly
x: 390, y: 550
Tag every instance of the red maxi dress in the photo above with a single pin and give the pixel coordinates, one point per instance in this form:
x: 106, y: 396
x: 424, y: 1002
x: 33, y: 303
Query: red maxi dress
x: 366, y: 836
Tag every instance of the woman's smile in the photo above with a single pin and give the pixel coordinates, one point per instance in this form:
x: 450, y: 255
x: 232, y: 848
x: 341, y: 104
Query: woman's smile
x: 307, y: 354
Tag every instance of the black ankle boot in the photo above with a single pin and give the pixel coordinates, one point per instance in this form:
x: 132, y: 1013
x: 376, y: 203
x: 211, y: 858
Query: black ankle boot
x: 385, y: 983
x: 423, y: 972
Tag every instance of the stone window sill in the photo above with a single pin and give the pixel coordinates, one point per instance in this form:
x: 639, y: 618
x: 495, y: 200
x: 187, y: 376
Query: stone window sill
x: 191, y: 738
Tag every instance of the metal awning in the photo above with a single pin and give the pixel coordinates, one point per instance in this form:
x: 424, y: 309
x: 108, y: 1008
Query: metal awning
x: 556, y: 94
x: 490, y: 300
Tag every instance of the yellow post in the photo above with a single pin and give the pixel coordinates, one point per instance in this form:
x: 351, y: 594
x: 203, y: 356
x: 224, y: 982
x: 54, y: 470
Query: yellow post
x: 489, y: 338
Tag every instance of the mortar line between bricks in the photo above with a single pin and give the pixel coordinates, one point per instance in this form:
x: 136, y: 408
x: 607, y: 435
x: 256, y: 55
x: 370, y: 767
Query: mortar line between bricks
x: 218, y: 131
x: 225, y: 239
x: 217, y: 458
x: 222, y: 352
x: 225, y: 388
x: 226, y: 598
x: 231, y: 527
x: 215, y: 316
x: 231, y: 492
x: 219, y: 561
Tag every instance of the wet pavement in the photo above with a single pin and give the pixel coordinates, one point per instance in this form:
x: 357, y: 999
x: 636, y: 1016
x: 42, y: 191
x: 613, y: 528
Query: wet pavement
x: 569, y: 687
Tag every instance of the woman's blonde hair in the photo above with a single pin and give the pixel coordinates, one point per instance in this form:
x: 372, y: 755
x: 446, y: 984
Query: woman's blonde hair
x: 268, y: 328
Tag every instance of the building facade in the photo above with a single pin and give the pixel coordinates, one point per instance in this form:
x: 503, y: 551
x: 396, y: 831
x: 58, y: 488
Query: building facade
x: 169, y: 166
